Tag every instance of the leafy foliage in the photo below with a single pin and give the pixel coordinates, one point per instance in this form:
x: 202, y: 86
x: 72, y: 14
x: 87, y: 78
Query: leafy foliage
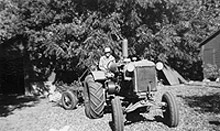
x: 212, y: 72
x: 69, y: 35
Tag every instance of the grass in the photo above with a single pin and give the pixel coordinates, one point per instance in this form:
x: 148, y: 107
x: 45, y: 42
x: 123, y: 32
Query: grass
x: 199, y: 109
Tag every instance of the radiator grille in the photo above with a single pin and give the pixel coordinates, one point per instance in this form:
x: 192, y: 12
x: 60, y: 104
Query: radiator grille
x: 145, y: 76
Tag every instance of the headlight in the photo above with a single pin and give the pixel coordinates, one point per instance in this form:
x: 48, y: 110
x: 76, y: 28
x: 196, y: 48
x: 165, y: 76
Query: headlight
x: 134, y: 58
x: 130, y: 67
x: 159, y: 66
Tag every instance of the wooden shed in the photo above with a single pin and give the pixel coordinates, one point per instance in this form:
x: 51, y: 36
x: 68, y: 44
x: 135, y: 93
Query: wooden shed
x: 210, y: 50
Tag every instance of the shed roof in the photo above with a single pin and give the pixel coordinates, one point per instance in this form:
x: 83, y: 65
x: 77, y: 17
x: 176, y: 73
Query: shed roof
x: 213, y: 35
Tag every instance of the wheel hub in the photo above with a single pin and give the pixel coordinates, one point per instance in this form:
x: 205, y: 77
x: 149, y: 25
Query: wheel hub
x: 67, y: 101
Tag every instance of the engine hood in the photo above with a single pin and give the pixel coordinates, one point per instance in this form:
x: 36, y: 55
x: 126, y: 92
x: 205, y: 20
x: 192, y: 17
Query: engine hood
x: 144, y: 62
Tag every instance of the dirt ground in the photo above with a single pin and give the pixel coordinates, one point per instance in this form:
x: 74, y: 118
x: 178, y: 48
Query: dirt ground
x: 199, y: 109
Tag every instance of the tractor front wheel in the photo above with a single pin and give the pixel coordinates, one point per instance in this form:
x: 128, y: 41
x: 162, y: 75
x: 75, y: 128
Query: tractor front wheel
x: 69, y: 100
x: 171, y: 112
x: 117, y: 114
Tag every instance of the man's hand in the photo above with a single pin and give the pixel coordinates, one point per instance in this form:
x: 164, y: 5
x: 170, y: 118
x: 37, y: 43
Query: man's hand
x: 109, y: 75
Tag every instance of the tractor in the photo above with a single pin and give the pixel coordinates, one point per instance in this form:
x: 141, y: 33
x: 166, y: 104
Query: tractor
x: 129, y: 85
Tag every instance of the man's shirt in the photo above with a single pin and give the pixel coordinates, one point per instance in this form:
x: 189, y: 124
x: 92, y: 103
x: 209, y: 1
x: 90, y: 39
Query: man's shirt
x: 104, y: 61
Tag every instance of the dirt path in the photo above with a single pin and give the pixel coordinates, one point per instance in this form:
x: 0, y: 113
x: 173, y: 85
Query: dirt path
x: 198, y: 106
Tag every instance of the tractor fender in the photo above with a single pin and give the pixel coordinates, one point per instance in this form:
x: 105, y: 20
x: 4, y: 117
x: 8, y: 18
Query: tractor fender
x: 98, y: 75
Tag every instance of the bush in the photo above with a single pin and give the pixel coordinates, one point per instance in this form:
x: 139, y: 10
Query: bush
x: 211, y: 72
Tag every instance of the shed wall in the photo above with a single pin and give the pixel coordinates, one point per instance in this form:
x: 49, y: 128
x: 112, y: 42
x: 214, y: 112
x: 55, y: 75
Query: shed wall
x: 211, y: 52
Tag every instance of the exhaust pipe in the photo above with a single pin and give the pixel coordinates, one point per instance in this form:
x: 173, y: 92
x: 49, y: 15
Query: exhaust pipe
x: 125, y: 48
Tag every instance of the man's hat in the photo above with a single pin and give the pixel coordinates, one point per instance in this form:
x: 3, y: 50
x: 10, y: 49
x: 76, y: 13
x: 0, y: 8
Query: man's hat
x: 107, y: 50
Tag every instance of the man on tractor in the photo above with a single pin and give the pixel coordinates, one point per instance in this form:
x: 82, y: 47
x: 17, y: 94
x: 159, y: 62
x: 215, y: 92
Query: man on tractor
x: 104, y: 60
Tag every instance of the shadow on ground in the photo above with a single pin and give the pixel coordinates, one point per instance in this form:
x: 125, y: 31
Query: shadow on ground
x: 10, y: 103
x: 206, y: 103
x: 214, y: 122
x: 136, y: 117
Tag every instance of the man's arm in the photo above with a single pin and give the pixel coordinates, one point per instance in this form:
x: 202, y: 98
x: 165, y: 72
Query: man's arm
x: 113, y: 59
x: 101, y: 64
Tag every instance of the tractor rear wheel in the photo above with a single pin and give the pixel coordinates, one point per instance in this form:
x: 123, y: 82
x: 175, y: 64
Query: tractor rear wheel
x: 69, y: 100
x: 117, y: 114
x: 171, y: 112
x: 94, y: 98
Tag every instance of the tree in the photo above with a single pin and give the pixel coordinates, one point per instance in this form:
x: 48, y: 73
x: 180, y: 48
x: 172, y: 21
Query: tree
x: 69, y: 35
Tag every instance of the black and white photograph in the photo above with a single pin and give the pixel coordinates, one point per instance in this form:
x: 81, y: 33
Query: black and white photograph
x: 109, y: 65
